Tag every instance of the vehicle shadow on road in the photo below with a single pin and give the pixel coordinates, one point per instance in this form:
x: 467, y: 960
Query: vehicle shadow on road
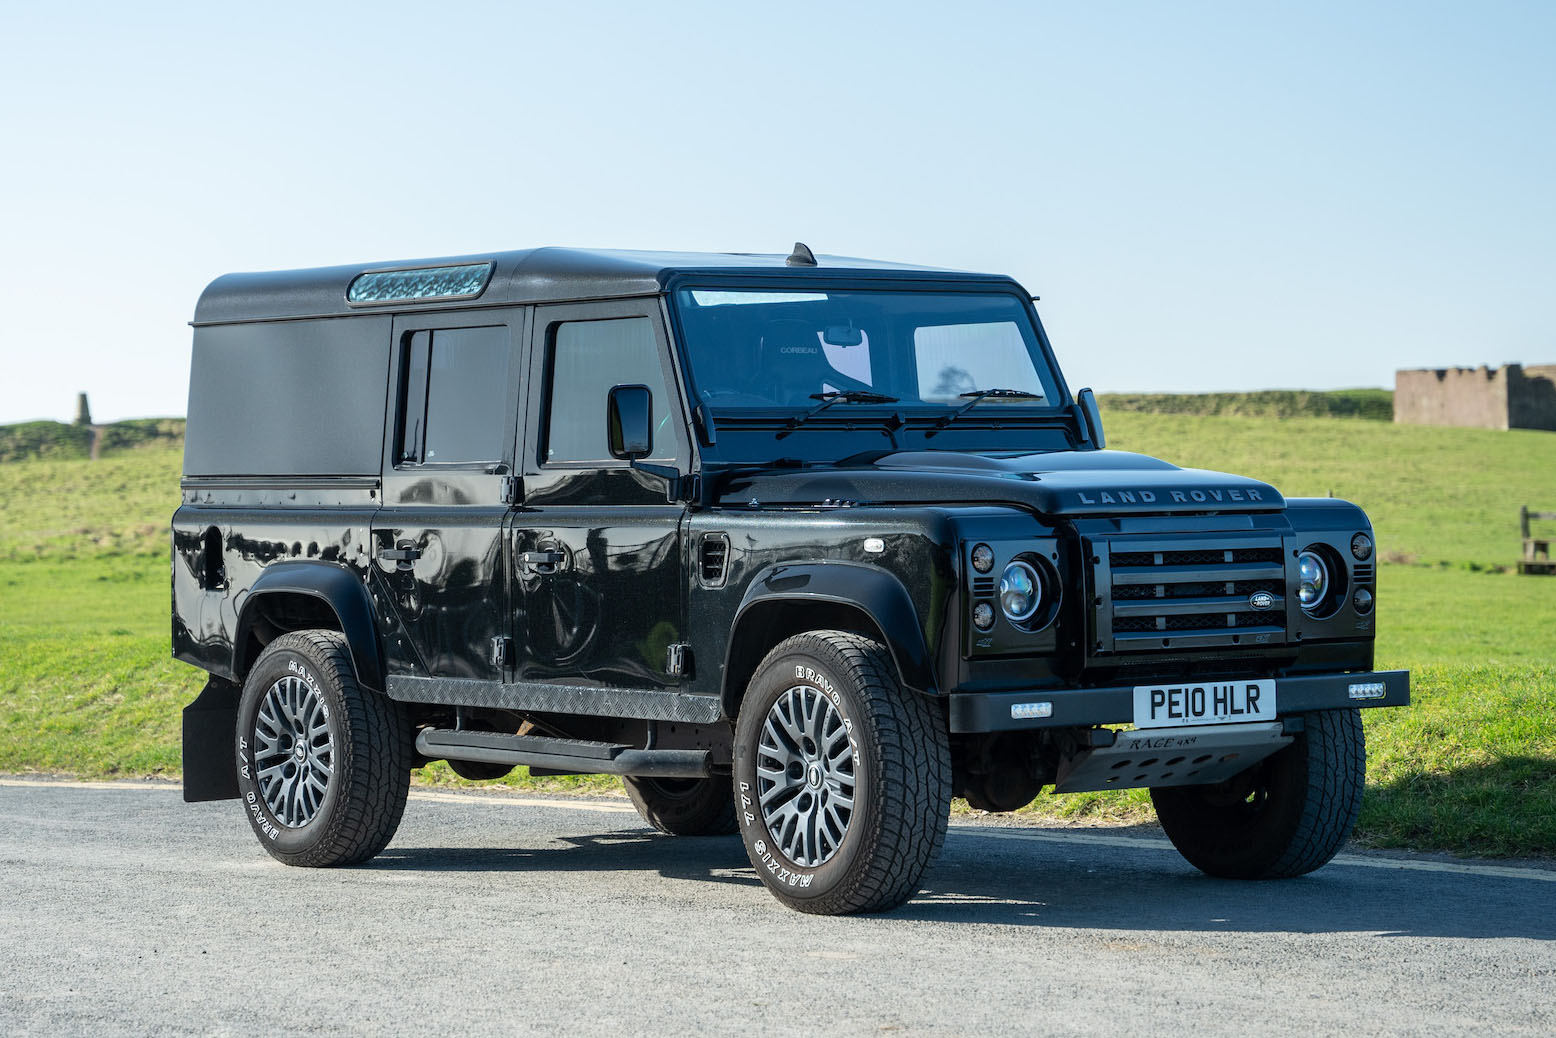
x: 988, y: 879
x: 1005, y: 881
x: 716, y: 859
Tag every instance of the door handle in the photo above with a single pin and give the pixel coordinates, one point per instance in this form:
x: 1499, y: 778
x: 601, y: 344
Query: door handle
x: 543, y: 562
x: 401, y: 557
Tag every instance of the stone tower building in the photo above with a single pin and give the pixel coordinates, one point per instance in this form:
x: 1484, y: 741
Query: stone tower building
x: 1509, y: 397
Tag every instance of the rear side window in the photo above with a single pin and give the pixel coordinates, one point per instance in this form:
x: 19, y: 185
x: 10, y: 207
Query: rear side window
x: 289, y: 398
x: 453, y: 396
x: 587, y: 359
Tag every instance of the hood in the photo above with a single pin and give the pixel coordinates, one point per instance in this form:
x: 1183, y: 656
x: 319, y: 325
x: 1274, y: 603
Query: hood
x: 1070, y: 483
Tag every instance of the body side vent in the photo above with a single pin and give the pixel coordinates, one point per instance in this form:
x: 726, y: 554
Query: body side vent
x: 713, y: 559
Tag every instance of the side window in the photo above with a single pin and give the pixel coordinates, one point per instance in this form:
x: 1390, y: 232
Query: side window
x: 453, y: 396
x: 587, y: 359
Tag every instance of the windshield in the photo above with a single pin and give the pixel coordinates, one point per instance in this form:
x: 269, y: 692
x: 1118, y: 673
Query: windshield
x: 760, y: 349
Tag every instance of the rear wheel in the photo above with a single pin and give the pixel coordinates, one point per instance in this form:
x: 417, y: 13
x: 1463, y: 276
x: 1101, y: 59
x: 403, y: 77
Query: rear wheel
x: 843, y: 777
x: 1286, y: 816
x: 324, y: 765
x: 684, y: 807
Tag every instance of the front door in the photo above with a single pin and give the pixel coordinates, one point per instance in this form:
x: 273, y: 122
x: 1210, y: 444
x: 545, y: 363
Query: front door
x: 597, y: 543
x: 448, y: 461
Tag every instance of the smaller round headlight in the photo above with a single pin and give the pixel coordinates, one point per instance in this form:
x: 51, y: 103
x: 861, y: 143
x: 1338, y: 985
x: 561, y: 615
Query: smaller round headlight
x: 1361, y: 547
x: 1021, y: 592
x: 1362, y: 600
x: 983, y: 616
x: 1313, y: 580
x: 983, y: 558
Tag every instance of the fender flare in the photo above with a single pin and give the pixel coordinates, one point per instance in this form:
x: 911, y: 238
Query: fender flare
x: 335, y: 586
x: 875, y: 592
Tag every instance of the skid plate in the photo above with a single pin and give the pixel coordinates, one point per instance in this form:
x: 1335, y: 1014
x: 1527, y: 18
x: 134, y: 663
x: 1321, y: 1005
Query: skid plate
x: 1171, y: 757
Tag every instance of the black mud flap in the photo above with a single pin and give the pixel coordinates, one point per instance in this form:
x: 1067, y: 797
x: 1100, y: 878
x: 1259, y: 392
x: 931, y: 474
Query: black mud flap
x: 210, y: 762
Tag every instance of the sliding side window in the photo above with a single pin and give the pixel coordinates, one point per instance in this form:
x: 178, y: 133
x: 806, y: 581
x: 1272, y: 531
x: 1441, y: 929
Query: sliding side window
x: 453, y: 396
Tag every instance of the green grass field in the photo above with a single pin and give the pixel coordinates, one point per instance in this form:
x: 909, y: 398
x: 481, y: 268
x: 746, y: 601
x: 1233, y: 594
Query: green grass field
x: 87, y: 688
x: 1375, y: 404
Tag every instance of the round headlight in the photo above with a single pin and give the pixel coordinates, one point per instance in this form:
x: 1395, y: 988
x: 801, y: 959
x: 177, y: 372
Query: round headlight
x: 1021, y: 592
x: 1313, y: 580
x: 1361, y: 547
x: 983, y: 616
x: 983, y: 558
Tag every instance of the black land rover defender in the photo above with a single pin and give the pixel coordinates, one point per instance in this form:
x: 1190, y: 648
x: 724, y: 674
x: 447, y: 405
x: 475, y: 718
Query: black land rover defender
x: 801, y: 548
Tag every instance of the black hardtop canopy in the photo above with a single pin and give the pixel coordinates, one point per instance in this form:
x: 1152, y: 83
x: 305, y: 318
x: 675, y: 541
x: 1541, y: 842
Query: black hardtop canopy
x: 544, y: 275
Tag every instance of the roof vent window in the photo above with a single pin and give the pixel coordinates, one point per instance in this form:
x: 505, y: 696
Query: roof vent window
x: 465, y: 281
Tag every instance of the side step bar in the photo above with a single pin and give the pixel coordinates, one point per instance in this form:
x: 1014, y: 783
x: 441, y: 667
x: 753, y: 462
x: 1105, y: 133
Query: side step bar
x: 568, y: 756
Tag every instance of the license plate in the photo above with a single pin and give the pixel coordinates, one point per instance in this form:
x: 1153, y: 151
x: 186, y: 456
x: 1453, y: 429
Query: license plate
x: 1220, y: 702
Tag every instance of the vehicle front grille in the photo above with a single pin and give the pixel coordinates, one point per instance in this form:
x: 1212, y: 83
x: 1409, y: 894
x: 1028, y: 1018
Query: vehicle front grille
x: 1181, y: 557
x: 1168, y: 594
x: 1234, y: 621
x: 1135, y: 592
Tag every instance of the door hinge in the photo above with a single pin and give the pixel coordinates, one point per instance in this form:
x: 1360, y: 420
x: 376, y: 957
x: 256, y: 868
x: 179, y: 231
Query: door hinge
x: 678, y: 660
x: 502, y: 653
x: 510, y: 490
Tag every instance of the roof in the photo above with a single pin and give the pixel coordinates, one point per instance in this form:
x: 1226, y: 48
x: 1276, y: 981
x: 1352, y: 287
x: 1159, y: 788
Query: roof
x: 526, y: 276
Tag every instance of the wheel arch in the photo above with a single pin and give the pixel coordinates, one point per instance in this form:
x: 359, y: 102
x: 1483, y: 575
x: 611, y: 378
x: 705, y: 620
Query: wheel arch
x: 789, y: 598
x: 297, y: 595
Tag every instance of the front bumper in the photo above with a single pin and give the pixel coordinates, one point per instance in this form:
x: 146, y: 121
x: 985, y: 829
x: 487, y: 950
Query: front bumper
x: 1085, y: 707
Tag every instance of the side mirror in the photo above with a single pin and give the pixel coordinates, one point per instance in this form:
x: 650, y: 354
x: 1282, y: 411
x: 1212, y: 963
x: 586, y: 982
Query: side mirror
x: 1093, y: 417
x: 629, y: 417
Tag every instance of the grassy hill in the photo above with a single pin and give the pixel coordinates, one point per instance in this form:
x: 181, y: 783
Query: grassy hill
x: 1374, y: 404
x: 86, y: 685
x: 1436, y: 496
x: 36, y: 440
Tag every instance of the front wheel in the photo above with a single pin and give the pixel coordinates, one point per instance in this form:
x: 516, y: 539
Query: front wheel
x: 324, y: 766
x: 1286, y: 816
x: 842, y: 776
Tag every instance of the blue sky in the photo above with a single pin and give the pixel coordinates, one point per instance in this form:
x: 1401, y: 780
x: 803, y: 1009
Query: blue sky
x: 1206, y: 195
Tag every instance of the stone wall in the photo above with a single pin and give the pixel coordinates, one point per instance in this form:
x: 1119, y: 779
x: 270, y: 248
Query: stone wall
x: 1533, y: 404
x: 1509, y: 397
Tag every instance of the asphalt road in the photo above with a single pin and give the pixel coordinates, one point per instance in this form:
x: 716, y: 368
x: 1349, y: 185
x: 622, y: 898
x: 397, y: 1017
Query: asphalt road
x: 124, y: 910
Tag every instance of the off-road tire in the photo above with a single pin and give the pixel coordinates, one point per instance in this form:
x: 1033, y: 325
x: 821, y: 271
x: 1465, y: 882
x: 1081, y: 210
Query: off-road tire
x: 1286, y: 816
x: 684, y: 807
x: 371, y: 756
x: 900, y: 769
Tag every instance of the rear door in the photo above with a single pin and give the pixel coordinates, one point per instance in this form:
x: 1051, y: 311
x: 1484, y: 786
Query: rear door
x: 455, y: 392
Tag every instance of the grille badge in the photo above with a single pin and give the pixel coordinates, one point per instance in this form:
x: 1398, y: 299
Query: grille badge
x: 1261, y: 600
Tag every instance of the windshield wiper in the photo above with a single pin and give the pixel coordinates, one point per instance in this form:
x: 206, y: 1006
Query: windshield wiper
x: 845, y: 396
x: 978, y: 396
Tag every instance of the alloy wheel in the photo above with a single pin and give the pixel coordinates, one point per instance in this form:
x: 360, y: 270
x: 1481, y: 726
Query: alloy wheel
x: 294, y: 754
x: 806, y: 781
